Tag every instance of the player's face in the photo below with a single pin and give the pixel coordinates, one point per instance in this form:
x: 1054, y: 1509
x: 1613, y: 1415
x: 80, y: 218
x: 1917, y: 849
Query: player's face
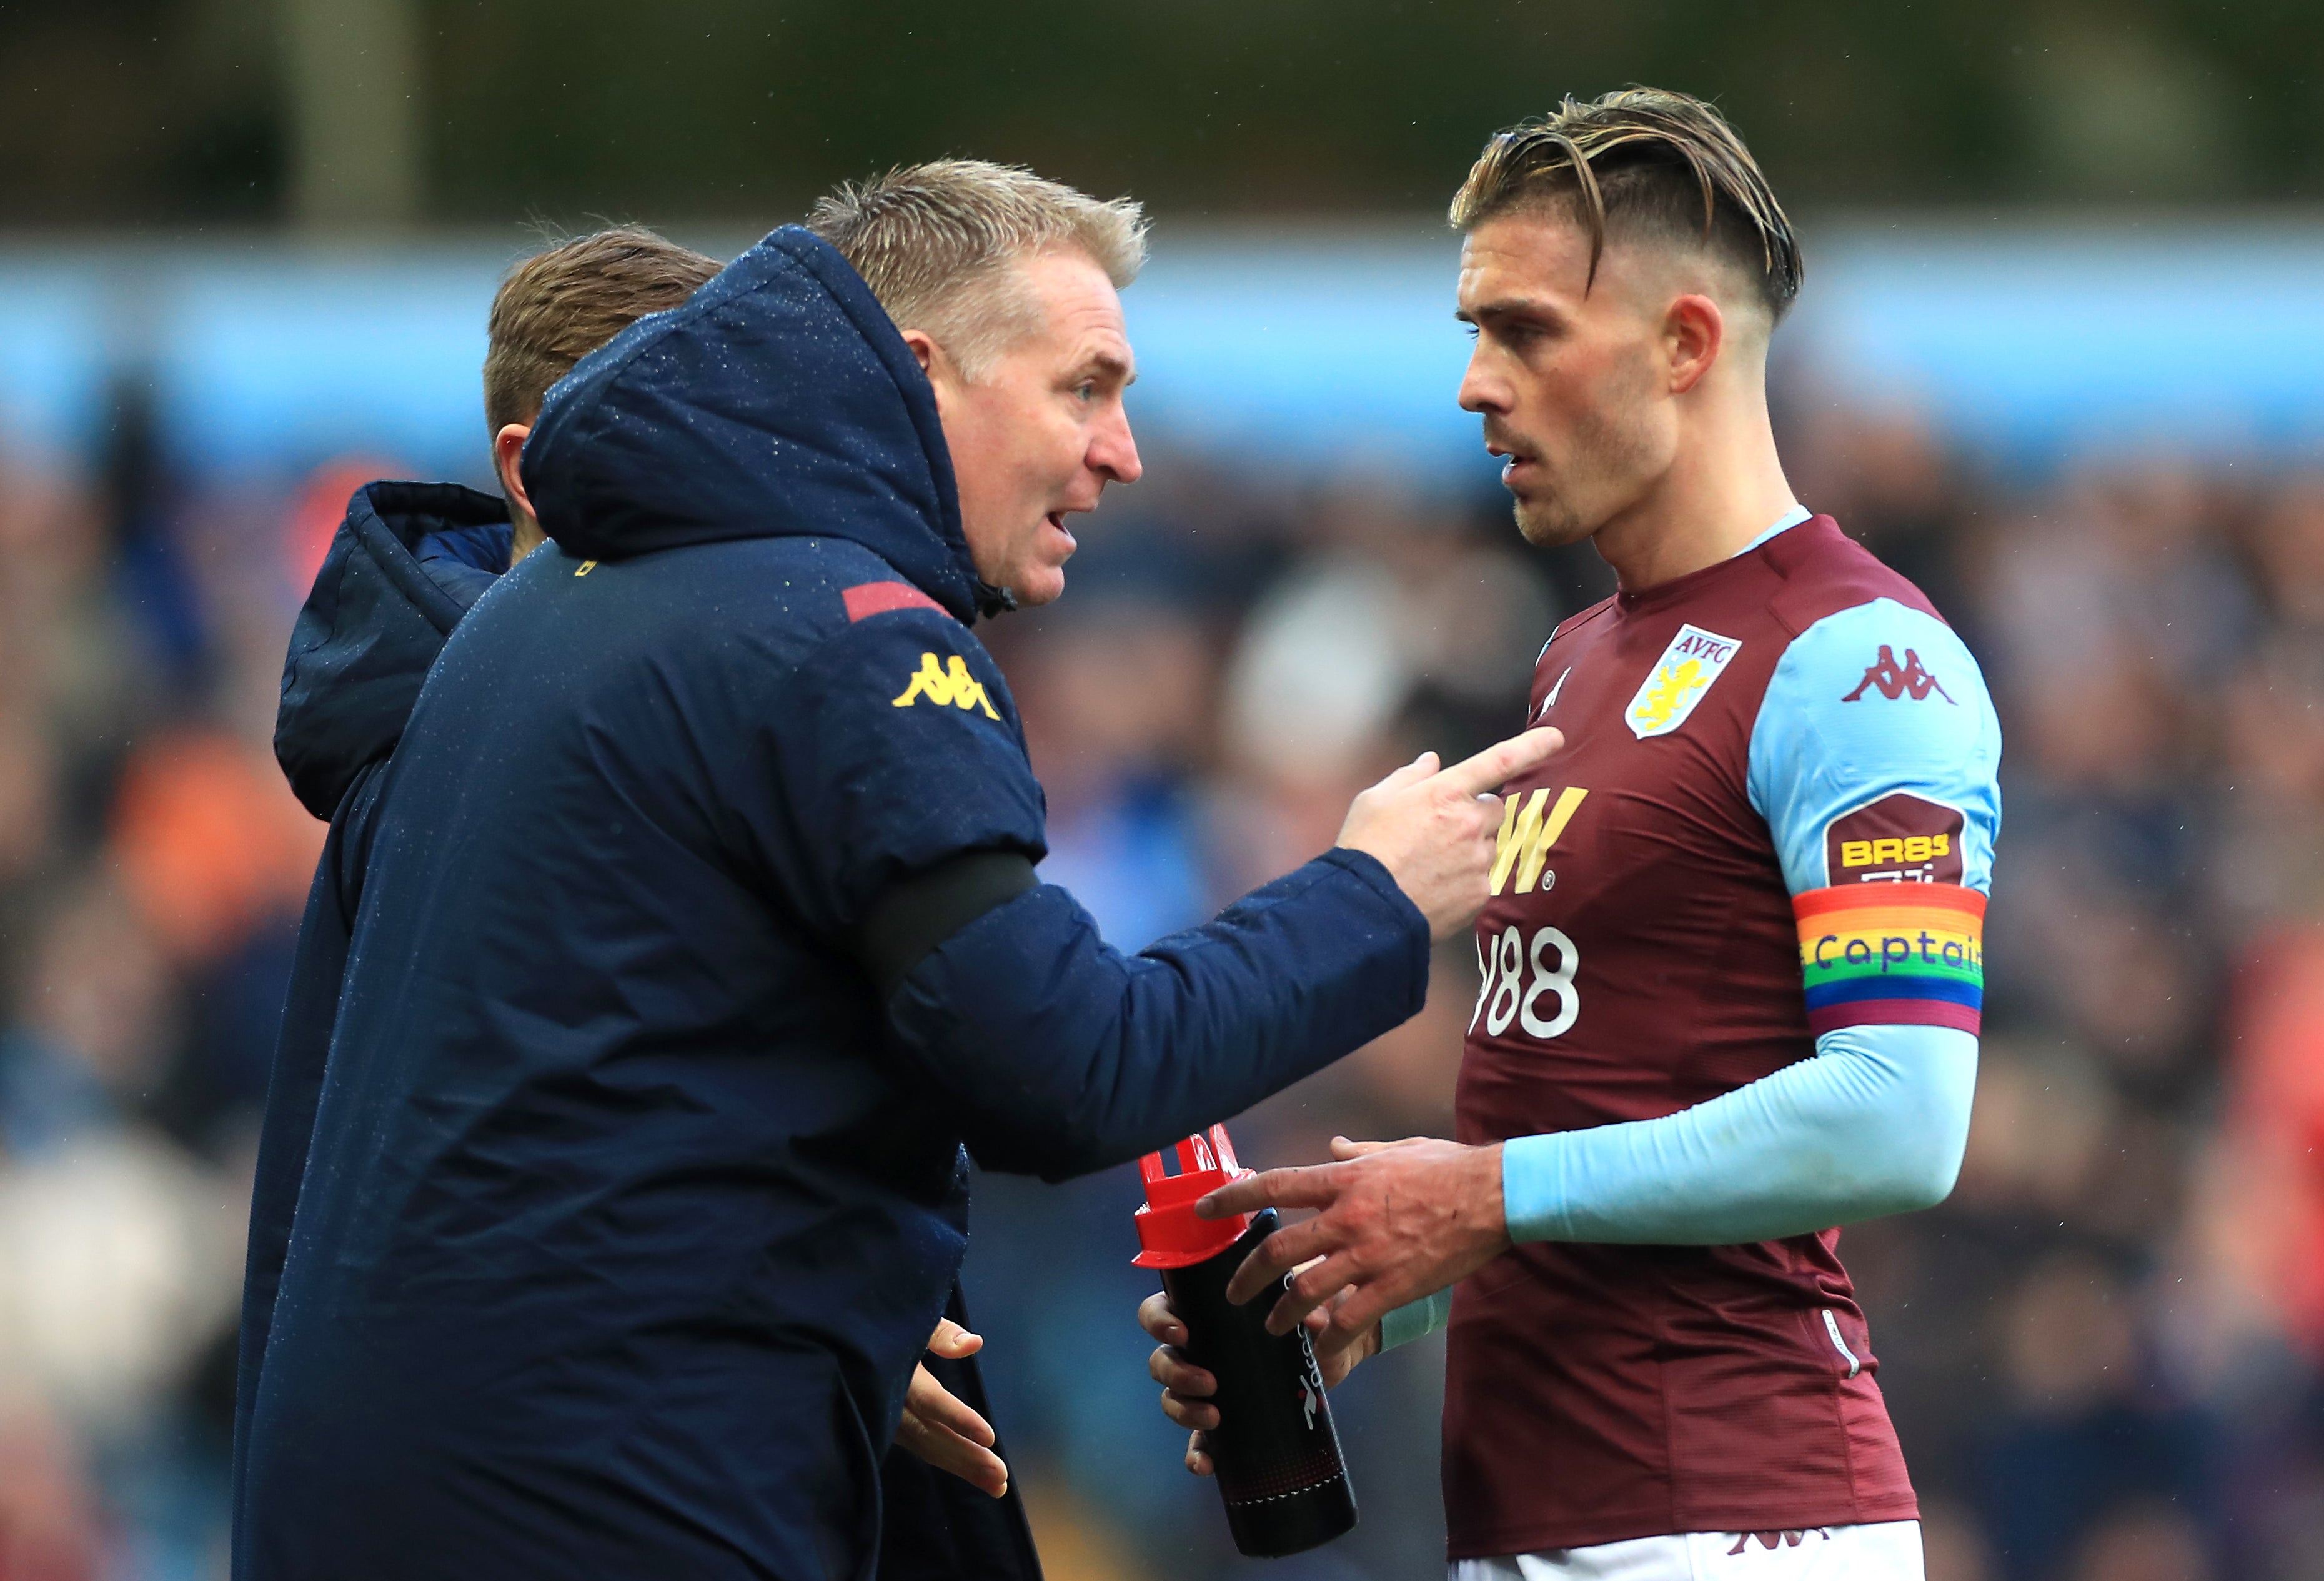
x: 1564, y: 373
x: 1043, y: 433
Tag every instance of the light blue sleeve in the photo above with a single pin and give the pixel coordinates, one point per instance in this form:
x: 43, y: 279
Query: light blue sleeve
x: 1874, y: 701
x: 1831, y: 738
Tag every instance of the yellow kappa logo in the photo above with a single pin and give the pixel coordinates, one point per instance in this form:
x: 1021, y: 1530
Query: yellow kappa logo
x: 947, y: 684
x: 1670, y: 688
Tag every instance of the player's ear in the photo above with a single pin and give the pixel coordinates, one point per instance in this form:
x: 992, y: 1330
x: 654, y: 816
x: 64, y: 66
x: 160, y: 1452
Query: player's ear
x: 1694, y: 331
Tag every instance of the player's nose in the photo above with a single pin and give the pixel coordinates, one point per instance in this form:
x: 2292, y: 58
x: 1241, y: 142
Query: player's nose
x: 1482, y: 390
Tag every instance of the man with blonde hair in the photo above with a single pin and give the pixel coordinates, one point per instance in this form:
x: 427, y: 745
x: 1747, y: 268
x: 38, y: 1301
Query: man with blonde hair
x: 1733, y: 963
x: 701, y: 930
x: 407, y: 563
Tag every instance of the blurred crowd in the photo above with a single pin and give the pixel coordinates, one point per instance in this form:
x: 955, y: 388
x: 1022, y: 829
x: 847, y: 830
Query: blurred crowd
x: 2104, y: 1354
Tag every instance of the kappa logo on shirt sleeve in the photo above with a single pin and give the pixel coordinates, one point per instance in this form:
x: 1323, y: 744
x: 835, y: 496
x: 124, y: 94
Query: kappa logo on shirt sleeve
x: 1893, y: 681
x: 943, y: 684
x: 1677, y: 682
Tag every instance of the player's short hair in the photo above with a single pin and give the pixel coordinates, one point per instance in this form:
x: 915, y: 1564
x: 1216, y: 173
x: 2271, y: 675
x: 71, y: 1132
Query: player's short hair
x: 556, y: 307
x: 1642, y: 162
x: 937, y: 244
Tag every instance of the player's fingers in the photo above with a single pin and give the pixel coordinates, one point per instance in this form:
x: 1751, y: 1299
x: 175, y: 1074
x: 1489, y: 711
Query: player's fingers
x: 1172, y: 1370
x: 1198, y: 1459
x: 1200, y: 1415
x: 951, y: 1340
x: 1492, y: 768
x: 1310, y: 1288
x: 1342, y: 1150
x: 1154, y: 1317
x: 1279, y: 1254
x: 935, y: 1404
x: 1312, y: 1187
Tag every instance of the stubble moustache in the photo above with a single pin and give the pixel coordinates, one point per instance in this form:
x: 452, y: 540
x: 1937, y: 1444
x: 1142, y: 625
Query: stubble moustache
x: 1566, y: 503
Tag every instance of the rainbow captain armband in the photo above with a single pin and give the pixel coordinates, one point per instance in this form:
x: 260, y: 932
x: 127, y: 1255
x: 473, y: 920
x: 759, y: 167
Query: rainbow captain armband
x: 1892, y: 954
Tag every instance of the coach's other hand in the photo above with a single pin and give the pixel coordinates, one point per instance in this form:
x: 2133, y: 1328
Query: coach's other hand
x: 1434, y: 829
x: 941, y: 1430
x: 1186, y: 1389
x: 1398, y: 1220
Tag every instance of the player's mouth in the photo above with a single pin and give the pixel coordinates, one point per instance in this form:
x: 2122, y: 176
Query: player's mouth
x: 1056, y: 520
x: 1516, y: 465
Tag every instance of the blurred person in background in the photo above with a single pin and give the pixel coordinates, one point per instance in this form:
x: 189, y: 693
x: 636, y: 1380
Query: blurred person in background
x: 701, y: 929
x: 408, y: 562
x: 1658, y: 1368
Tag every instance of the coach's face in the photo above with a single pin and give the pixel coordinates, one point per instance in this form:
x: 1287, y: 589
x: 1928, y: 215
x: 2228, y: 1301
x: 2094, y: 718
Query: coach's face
x: 1573, y: 377
x: 1039, y: 436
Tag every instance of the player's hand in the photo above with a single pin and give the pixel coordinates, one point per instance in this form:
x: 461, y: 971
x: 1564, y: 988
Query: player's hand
x: 1186, y: 1389
x: 1398, y: 1220
x: 1434, y: 829
x: 941, y: 1430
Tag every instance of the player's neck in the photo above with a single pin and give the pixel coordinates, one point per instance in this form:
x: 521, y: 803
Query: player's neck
x: 1725, y: 489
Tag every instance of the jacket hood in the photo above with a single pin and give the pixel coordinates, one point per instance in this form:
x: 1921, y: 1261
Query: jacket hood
x: 403, y: 567
x: 779, y: 401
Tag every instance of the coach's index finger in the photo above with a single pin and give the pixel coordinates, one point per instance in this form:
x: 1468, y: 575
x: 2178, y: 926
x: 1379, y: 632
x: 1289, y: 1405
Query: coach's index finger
x: 1302, y: 1187
x: 1498, y: 764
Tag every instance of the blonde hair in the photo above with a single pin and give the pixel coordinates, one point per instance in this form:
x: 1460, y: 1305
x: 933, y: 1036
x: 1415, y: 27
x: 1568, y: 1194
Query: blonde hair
x: 938, y: 244
x: 1643, y: 161
x: 556, y: 307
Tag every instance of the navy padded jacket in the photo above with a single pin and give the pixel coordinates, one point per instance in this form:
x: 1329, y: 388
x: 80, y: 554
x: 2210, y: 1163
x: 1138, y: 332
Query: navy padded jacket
x: 631, y: 1201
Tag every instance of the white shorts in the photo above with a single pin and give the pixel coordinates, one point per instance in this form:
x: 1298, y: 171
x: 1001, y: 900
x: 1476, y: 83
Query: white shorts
x: 1888, y: 1551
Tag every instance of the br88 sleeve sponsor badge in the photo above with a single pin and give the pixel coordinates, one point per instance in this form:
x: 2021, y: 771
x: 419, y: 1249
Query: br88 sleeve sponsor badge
x: 1898, y: 839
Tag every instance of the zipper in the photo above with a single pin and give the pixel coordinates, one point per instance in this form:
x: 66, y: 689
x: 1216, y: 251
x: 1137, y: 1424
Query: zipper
x: 1831, y: 1326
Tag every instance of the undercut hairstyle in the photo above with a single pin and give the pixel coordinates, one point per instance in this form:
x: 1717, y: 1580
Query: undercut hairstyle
x: 1646, y: 164
x: 556, y: 307
x: 938, y: 243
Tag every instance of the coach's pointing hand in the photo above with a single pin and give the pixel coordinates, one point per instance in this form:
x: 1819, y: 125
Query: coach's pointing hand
x: 1434, y: 831
x: 1399, y: 1220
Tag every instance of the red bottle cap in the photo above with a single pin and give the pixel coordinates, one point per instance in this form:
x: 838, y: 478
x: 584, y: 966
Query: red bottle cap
x: 1168, y: 1227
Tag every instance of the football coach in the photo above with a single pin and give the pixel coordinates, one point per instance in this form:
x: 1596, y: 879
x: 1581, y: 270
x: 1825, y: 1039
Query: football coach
x: 700, y: 930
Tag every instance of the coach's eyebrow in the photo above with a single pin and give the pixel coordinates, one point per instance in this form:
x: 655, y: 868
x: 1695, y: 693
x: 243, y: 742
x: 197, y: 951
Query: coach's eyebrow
x: 1106, y: 362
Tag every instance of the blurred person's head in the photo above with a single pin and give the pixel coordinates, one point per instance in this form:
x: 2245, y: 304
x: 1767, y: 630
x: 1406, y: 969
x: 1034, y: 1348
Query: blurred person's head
x: 2288, y: 542
x: 1078, y: 669
x: 2143, y: 1543
x: 1005, y: 286
x: 1625, y: 263
x: 556, y: 308
x: 98, y: 988
x: 2069, y: 1340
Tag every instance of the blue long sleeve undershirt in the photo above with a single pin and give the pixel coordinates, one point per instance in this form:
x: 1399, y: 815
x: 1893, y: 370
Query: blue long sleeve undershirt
x: 1874, y: 1124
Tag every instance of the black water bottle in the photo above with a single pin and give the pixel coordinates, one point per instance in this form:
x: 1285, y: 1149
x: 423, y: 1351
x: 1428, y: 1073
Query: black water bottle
x: 1275, y: 1451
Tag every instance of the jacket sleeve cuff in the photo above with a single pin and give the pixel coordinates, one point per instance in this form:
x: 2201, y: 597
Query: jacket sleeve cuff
x: 1417, y: 1319
x: 1533, y: 1188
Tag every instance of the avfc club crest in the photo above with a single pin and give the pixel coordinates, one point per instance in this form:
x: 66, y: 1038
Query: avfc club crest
x: 1679, y: 680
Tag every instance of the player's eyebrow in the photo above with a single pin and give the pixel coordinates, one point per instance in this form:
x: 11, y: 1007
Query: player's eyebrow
x: 1507, y: 307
